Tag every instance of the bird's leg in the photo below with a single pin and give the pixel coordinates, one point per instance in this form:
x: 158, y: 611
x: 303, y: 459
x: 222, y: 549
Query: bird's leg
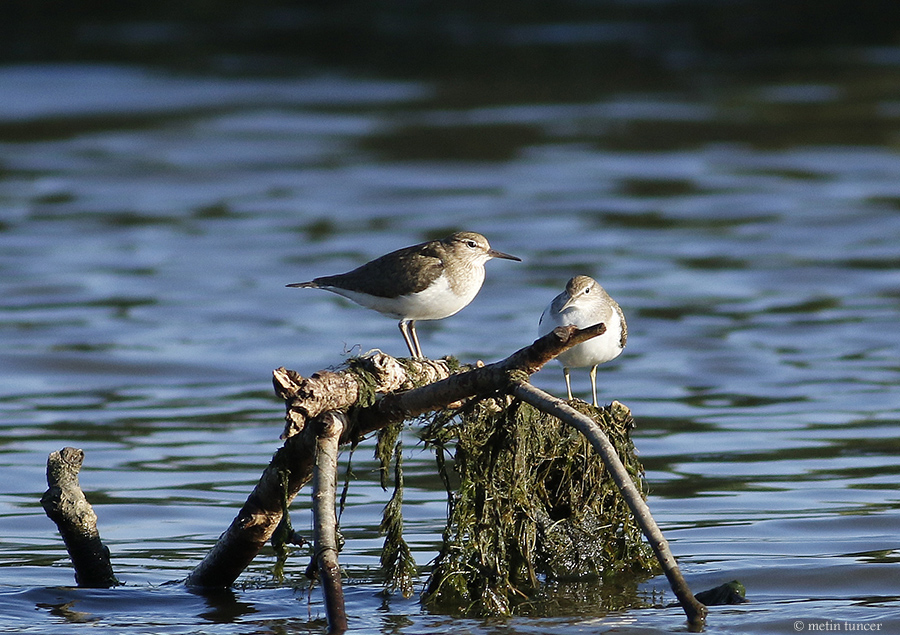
x: 568, y: 382
x: 415, y: 339
x: 594, y: 384
x: 405, y: 329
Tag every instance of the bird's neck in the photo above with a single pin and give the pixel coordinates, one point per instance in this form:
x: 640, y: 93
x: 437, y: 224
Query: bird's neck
x: 465, y: 278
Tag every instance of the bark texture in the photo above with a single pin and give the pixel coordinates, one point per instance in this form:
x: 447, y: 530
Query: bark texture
x: 66, y: 505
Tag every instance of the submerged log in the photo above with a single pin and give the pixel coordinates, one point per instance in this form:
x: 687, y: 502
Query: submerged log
x: 288, y: 471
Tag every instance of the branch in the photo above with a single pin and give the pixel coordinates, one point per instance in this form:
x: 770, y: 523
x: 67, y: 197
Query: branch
x: 483, y: 380
x: 257, y: 520
x: 695, y: 611
x: 398, y: 380
x: 307, y: 398
x: 330, y: 426
x: 66, y: 505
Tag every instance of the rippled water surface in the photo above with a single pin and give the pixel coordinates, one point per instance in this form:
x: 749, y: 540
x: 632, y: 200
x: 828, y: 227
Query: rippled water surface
x: 749, y: 228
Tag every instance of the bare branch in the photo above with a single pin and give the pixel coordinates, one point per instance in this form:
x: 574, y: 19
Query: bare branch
x: 382, y: 390
x: 330, y: 426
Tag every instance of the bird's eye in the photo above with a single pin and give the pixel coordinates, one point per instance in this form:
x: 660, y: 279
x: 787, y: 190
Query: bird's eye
x: 471, y: 244
x: 587, y: 290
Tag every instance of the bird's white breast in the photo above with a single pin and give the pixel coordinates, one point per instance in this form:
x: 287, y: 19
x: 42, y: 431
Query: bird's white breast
x: 596, y: 350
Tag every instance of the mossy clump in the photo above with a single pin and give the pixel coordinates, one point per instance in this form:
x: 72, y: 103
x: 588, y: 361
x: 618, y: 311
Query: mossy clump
x: 533, y: 504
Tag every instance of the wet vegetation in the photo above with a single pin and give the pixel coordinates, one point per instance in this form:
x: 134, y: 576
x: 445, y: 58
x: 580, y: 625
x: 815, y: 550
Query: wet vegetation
x: 530, y: 507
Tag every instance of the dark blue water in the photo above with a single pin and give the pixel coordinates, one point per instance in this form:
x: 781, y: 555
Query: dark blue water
x: 749, y: 228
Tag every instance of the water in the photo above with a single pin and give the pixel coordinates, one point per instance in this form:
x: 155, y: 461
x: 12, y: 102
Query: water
x: 749, y: 227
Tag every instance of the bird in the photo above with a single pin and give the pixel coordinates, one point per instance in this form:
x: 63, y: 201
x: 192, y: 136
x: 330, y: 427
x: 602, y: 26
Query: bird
x: 429, y: 281
x: 585, y: 303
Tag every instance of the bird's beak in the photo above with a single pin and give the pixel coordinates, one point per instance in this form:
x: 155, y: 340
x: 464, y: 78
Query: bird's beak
x: 493, y: 253
x: 568, y: 303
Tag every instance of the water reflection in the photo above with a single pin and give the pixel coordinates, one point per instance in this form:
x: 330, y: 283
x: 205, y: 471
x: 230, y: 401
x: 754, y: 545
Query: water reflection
x: 224, y: 606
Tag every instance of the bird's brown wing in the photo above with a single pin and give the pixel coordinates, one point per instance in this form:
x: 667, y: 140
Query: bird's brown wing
x: 407, y: 270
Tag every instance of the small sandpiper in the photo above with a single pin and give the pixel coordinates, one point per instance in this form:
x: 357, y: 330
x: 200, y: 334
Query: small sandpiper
x: 585, y: 303
x: 429, y: 281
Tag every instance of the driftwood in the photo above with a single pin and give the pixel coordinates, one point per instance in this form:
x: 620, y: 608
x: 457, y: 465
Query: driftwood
x: 65, y: 504
x: 378, y: 390
x: 307, y: 398
x: 325, y: 390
